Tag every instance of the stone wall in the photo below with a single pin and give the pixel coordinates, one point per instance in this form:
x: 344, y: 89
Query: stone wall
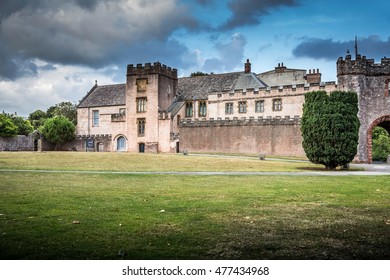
x: 270, y: 136
x: 17, y: 143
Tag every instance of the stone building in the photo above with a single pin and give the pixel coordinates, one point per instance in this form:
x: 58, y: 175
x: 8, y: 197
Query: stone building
x: 371, y: 81
x: 239, y: 112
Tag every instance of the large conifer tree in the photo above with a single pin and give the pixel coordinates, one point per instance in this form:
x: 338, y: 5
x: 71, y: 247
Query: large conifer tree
x: 330, y: 127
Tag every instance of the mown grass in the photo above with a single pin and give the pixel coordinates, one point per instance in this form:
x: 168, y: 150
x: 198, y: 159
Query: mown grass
x: 141, y: 162
x: 193, y: 217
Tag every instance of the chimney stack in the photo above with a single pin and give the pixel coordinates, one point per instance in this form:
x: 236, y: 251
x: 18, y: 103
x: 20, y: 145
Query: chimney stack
x: 247, y: 67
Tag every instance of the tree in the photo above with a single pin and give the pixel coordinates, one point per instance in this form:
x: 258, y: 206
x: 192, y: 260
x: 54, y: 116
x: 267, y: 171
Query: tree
x: 58, y: 130
x: 380, y: 144
x: 198, y: 73
x: 24, y: 126
x: 330, y: 127
x: 7, y: 127
x: 65, y: 109
x: 37, y: 118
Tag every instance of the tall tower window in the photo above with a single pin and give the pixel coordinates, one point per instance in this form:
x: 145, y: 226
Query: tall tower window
x: 95, y: 116
x: 141, y: 127
x: 202, y: 109
x: 188, y: 109
x: 141, y: 104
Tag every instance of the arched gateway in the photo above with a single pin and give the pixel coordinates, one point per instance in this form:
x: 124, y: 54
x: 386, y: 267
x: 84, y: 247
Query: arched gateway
x: 370, y: 81
x: 383, y: 122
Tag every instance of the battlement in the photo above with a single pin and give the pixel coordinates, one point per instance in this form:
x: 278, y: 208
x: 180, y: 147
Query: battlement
x: 235, y: 121
x: 149, y: 68
x: 362, y: 66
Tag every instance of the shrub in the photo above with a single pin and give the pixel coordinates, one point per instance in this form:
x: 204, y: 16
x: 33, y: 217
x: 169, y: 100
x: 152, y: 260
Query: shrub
x: 330, y: 127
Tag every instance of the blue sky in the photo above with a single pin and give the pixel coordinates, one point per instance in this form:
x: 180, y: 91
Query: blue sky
x: 53, y: 50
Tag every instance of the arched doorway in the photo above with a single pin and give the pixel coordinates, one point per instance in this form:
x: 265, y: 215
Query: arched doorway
x: 121, y: 143
x: 383, y: 122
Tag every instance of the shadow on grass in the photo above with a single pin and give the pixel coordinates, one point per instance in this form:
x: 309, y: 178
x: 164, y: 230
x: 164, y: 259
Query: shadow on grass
x: 337, y: 241
x: 319, y: 168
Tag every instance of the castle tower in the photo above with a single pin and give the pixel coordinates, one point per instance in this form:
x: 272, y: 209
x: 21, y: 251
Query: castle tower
x: 371, y: 82
x: 150, y: 90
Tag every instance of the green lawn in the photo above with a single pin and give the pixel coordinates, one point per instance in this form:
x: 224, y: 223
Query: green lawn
x: 187, y: 217
x: 141, y: 162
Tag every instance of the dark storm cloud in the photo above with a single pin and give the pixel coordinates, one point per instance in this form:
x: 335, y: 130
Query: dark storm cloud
x: 249, y: 12
x: 87, y: 4
x: 170, y: 52
x: 92, y: 33
x: 372, y: 47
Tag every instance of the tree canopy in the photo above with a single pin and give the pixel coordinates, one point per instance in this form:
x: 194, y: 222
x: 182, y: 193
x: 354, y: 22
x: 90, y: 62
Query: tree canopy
x: 7, y: 127
x: 66, y: 109
x: 198, y: 73
x: 58, y: 130
x: 330, y: 127
x: 380, y: 144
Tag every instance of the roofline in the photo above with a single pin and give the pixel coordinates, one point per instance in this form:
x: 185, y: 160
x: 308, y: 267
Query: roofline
x: 124, y: 104
x: 88, y: 94
x: 92, y: 89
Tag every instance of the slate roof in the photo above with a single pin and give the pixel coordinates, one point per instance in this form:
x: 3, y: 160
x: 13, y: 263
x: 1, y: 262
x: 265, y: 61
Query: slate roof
x: 200, y: 87
x: 108, y: 95
x: 190, y: 88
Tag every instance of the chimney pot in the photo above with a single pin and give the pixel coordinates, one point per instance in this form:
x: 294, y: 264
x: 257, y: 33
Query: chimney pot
x: 247, y: 67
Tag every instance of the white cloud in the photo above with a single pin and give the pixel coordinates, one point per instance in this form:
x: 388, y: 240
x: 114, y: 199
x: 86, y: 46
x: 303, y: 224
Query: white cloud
x: 64, y: 83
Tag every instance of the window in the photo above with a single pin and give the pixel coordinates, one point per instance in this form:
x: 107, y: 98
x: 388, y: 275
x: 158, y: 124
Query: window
x: 228, y: 108
x: 178, y: 120
x: 242, y: 107
x: 141, y: 127
x: 277, y: 105
x: 259, y: 106
x: 387, y: 88
x: 95, y: 116
x: 202, y: 109
x: 141, y: 104
x: 121, y: 144
x: 188, y: 109
x: 122, y: 111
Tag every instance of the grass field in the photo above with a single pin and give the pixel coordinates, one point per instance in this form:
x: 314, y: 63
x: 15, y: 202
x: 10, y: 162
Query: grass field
x: 98, y: 216
x: 141, y: 162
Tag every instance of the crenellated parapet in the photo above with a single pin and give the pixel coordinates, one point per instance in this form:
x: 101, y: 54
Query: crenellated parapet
x: 149, y: 69
x: 362, y: 66
x: 94, y: 136
x: 235, y: 121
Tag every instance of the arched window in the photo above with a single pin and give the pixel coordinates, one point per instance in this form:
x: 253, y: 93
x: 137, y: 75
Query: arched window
x: 387, y: 88
x: 121, y: 143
